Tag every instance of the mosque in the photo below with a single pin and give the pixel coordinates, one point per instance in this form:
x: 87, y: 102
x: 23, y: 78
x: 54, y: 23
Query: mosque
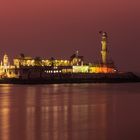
x: 27, y: 66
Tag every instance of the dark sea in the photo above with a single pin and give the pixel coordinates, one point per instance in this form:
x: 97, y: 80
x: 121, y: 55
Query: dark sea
x: 70, y: 112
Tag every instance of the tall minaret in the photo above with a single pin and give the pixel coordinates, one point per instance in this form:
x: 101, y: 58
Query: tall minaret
x: 104, y: 50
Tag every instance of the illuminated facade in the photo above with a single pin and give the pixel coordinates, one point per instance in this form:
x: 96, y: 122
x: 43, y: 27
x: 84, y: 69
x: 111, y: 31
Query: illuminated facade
x: 7, y: 70
x: 24, y: 65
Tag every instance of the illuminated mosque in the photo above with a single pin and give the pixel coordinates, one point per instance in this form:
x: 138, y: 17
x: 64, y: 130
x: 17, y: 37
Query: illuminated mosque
x: 25, y: 66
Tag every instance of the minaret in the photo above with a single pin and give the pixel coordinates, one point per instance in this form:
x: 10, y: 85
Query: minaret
x: 104, y: 50
x: 5, y: 60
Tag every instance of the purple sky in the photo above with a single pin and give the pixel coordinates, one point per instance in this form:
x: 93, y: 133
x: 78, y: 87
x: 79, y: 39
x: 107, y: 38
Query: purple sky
x: 59, y: 27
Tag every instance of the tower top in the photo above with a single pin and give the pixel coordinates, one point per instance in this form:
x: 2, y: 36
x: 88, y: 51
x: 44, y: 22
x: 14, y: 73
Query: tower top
x: 104, y: 34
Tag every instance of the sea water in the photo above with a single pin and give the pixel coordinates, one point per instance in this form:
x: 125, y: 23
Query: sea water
x: 70, y: 112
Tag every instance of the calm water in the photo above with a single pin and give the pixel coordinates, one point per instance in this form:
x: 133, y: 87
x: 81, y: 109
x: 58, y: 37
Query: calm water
x: 70, y: 112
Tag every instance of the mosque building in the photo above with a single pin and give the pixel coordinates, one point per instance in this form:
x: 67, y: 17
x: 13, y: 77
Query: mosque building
x: 23, y: 65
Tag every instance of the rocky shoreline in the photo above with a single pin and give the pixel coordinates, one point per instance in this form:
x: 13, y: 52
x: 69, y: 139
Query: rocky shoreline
x: 76, y: 78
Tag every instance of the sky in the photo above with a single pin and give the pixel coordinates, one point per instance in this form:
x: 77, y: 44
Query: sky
x: 57, y: 28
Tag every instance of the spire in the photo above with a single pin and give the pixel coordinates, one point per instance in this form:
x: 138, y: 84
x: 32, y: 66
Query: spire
x: 77, y: 53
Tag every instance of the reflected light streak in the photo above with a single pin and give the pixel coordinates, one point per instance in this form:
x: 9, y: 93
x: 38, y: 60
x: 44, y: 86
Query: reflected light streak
x: 30, y: 113
x: 5, y: 116
x: 30, y: 99
x: 5, y: 88
x: 30, y: 124
x: 45, y: 123
x: 55, y: 122
x: 66, y: 122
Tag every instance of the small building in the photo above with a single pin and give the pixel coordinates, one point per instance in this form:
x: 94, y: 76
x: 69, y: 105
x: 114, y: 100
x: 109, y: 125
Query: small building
x: 76, y: 60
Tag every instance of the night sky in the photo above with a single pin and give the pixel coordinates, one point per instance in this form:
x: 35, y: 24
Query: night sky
x: 58, y: 28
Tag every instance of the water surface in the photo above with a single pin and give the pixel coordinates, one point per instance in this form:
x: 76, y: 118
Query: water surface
x: 70, y: 112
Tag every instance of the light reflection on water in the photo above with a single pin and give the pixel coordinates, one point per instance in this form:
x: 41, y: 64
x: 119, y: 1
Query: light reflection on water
x: 69, y: 112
